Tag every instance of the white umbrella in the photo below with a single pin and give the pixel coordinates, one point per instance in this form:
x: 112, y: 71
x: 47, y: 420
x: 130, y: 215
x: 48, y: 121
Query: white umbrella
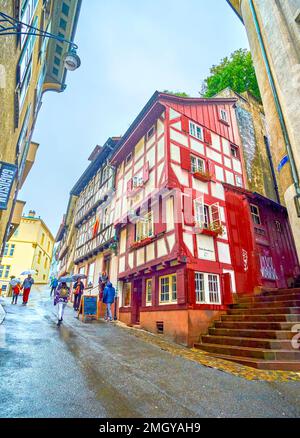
x: 15, y: 281
x: 30, y: 272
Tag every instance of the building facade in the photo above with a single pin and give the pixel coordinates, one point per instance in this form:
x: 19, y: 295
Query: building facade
x: 29, y: 66
x: 166, y: 212
x: 274, y: 37
x: 30, y: 248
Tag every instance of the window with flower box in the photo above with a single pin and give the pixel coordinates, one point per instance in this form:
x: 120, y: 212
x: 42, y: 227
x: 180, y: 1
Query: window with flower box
x: 197, y: 165
x: 144, y: 227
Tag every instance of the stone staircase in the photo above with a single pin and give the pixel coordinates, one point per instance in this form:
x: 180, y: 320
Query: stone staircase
x: 257, y: 331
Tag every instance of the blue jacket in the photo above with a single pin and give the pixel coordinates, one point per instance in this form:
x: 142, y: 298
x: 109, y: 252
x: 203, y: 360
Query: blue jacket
x: 109, y: 294
x: 54, y: 282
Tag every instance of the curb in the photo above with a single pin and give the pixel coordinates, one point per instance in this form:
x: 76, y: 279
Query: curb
x: 2, y: 314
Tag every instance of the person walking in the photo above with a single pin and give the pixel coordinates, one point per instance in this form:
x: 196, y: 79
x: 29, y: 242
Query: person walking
x: 61, y: 299
x: 78, y: 291
x: 53, y: 285
x: 16, y: 292
x: 27, y: 285
x: 103, y: 279
x: 109, y: 294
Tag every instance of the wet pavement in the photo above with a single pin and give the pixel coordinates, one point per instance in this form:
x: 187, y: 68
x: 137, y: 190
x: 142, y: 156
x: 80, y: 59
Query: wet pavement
x: 100, y: 370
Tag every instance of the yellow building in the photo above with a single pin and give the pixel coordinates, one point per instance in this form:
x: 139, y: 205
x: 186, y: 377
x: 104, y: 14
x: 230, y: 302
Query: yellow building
x: 30, y: 247
x: 30, y: 65
x: 273, y: 29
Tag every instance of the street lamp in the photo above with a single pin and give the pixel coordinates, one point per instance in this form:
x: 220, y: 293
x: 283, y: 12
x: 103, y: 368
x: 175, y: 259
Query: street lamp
x: 12, y: 26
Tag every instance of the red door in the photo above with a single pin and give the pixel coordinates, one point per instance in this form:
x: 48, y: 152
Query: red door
x: 136, y: 301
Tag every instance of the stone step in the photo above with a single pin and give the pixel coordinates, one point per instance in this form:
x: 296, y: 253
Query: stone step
x: 262, y: 364
x: 257, y: 353
x: 258, y: 305
x: 262, y: 318
x: 248, y: 333
x: 255, y: 325
x: 269, y: 298
x: 265, y: 311
x: 267, y: 292
x: 270, y: 344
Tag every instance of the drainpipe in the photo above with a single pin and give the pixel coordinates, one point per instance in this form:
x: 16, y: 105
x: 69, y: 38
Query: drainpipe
x: 294, y: 171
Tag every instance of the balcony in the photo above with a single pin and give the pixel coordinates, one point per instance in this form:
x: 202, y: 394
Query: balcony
x: 30, y: 159
x: 17, y: 216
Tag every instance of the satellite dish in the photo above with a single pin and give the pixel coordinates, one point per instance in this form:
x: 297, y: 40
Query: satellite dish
x: 72, y: 61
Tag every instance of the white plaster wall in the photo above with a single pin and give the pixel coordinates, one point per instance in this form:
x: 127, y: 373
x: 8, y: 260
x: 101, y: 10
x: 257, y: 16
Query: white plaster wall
x: 224, y: 253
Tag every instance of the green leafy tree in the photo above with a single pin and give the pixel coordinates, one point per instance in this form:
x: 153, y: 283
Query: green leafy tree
x: 177, y: 93
x: 236, y: 72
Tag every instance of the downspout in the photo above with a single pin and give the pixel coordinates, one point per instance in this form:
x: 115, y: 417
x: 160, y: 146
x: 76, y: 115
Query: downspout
x: 294, y: 171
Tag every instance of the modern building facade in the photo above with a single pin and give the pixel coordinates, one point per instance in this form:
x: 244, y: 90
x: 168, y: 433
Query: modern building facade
x: 30, y: 247
x: 273, y: 29
x: 30, y: 65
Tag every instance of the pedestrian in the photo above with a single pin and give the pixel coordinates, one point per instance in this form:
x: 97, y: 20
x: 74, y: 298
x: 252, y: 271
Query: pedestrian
x: 61, y: 299
x: 16, y: 292
x: 103, y: 279
x: 27, y: 285
x: 53, y: 285
x: 78, y: 291
x: 109, y: 294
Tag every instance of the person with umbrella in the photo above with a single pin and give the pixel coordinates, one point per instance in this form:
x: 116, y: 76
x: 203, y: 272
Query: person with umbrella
x: 61, y: 300
x: 27, y: 285
x: 78, y: 290
x: 15, y: 284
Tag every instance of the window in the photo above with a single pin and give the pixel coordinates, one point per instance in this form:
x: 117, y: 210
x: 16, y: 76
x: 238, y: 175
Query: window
x: 39, y: 257
x: 126, y: 294
x: 56, y: 61
x: 63, y: 24
x: 150, y: 133
x: 12, y: 250
x: 234, y: 151
x: 255, y: 214
x: 58, y: 49
x: 128, y: 158
x: 65, y: 9
x: 91, y: 271
x: 238, y: 181
x: 149, y: 291
x: 138, y: 180
x: 6, y: 250
x: 202, y: 214
x: 1, y: 271
x: 199, y: 285
x: 207, y: 288
x: 144, y: 227
x: 224, y: 115
x: 197, y: 164
x: 7, y: 271
x: 43, y: 239
x: 55, y: 71
x: 46, y: 264
x: 196, y: 131
x: 168, y: 289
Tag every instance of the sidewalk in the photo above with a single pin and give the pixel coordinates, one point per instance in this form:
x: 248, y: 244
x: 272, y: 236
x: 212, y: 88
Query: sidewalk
x: 2, y: 314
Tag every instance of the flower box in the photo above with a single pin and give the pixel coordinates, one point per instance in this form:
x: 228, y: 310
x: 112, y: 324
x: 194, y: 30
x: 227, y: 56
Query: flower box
x: 202, y: 176
x: 213, y: 232
x: 141, y: 243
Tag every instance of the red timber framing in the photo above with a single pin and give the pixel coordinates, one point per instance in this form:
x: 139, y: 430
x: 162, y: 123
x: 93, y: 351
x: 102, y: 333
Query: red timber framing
x: 176, y: 267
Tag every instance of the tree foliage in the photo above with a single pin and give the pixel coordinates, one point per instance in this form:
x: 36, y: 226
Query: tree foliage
x: 236, y: 72
x: 177, y: 93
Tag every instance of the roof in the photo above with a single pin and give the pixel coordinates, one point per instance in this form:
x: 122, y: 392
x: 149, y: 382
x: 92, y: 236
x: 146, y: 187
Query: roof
x: 98, y: 160
x: 154, y: 108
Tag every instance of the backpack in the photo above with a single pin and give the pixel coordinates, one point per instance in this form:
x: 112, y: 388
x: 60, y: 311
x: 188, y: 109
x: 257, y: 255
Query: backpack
x: 64, y: 293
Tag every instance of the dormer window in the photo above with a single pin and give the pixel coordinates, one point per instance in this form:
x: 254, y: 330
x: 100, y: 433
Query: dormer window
x: 234, y: 151
x: 224, y: 115
x: 128, y: 158
x: 196, y: 131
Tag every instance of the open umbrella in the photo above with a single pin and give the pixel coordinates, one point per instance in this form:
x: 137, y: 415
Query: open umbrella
x: 79, y: 277
x: 14, y: 282
x: 68, y: 279
x: 29, y: 272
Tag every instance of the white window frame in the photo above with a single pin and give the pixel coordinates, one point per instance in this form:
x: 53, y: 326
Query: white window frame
x: 197, y: 164
x: 196, y: 131
x: 148, y: 281
x: 239, y: 181
x: 224, y: 115
x: 138, y: 180
x: 255, y: 214
x: 212, y: 292
x: 144, y: 227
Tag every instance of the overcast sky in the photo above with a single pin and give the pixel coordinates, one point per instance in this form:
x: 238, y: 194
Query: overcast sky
x: 129, y: 49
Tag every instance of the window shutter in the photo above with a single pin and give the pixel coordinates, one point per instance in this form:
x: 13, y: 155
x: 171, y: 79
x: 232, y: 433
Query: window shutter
x: 160, y: 226
x: 130, y: 185
x: 130, y: 235
x: 227, y: 297
x: 181, y: 289
x: 188, y: 210
x: 211, y: 169
x: 146, y: 173
x: 215, y: 214
x: 185, y: 158
x: 199, y: 211
x: 207, y: 136
x: 185, y: 124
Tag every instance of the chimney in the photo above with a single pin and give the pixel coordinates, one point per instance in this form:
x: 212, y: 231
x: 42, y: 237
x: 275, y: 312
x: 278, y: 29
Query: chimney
x: 31, y: 213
